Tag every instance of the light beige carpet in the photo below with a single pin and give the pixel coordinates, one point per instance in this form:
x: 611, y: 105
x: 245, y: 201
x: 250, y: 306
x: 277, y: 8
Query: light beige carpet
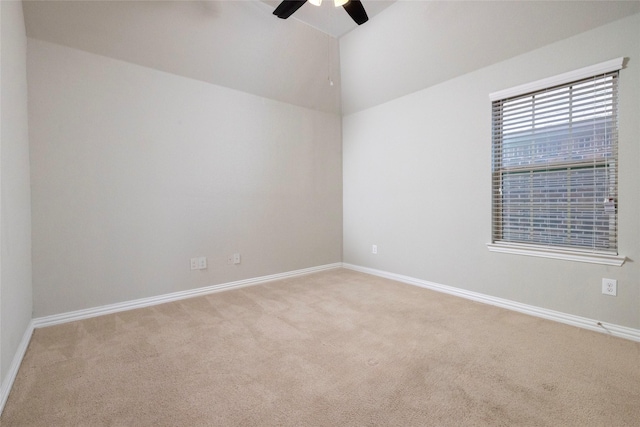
x: 337, y: 348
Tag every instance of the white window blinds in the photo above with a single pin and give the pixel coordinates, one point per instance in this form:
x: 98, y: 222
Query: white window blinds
x: 554, y: 165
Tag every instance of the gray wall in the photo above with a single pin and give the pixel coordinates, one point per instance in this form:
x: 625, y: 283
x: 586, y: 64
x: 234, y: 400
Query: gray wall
x: 15, y: 231
x: 135, y: 171
x: 417, y: 183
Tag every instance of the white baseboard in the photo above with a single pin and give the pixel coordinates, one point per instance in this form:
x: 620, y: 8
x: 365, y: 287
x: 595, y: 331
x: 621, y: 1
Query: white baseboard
x: 581, y: 322
x: 72, y: 316
x: 569, y: 319
x: 5, y: 388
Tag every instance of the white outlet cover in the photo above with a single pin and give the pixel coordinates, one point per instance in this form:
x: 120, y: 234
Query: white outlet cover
x: 202, y: 262
x: 610, y: 287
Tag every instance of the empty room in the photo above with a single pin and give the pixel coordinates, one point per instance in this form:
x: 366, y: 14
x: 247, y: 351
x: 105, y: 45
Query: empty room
x: 320, y: 213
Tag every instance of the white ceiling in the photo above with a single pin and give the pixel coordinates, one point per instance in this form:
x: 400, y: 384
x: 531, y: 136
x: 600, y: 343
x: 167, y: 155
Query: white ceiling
x: 406, y: 45
x: 330, y: 19
x: 414, y: 45
x: 237, y: 44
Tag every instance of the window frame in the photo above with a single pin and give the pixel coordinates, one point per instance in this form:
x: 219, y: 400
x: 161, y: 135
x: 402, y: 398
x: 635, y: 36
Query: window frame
x: 552, y: 251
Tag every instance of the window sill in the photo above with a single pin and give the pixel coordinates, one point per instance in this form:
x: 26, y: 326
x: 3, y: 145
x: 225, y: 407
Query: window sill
x: 554, y: 253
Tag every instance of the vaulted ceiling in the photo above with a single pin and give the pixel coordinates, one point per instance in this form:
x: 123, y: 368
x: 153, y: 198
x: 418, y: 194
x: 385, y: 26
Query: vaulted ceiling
x: 417, y: 44
x: 330, y: 19
x: 405, y: 46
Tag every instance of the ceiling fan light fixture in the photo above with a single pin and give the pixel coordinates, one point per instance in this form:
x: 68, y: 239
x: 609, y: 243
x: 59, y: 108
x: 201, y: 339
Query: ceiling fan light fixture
x: 354, y: 8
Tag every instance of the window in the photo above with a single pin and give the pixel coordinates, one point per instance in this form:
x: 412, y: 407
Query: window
x: 554, y: 169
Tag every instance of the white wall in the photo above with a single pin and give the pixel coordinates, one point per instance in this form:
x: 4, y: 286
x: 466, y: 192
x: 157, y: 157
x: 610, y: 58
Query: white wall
x: 135, y: 171
x: 15, y: 231
x: 417, y: 183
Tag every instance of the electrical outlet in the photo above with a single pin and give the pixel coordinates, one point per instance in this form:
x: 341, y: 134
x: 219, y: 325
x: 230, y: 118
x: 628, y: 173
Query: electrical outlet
x: 199, y: 263
x: 610, y: 287
x: 374, y: 249
x: 236, y: 258
x: 202, y: 262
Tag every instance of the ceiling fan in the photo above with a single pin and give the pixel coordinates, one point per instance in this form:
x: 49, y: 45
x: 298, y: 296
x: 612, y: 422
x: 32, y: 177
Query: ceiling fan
x: 353, y: 7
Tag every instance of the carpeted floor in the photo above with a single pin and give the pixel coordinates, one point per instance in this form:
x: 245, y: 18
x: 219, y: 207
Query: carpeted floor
x: 337, y: 348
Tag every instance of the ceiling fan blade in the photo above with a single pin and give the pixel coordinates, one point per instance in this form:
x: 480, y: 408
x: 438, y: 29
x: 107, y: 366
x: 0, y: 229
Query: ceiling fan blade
x: 355, y: 9
x: 287, y: 7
